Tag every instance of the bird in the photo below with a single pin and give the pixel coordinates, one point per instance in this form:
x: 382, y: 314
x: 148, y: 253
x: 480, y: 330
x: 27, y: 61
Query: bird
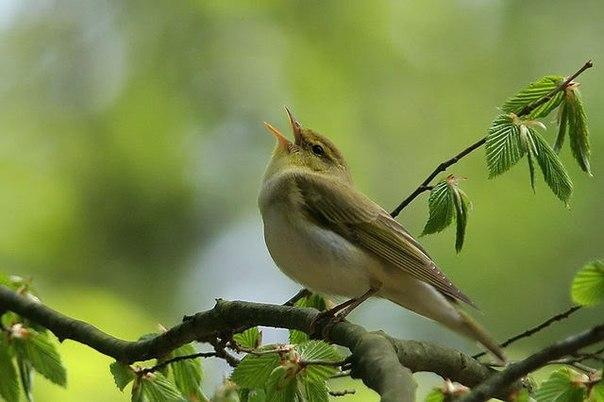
x: 332, y: 239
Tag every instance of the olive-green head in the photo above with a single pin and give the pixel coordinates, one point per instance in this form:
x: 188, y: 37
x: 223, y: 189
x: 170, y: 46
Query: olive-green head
x: 310, y: 151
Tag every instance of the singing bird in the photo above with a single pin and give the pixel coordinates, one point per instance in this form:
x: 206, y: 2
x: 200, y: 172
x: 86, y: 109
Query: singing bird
x: 326, y: 235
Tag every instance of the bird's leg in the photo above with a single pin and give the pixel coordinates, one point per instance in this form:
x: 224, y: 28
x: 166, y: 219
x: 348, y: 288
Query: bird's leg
x: 339, y: 312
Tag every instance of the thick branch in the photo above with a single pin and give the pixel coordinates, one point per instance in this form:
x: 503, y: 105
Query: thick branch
x: 502, y: 380
x: 377, y: 359
x: 425, y: 185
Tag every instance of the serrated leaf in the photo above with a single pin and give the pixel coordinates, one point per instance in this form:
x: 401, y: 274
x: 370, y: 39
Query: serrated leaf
x: 315, y: 391
x: 436, y: 395
x: 554, y: 173
x: 26, y: 377
x: 253, y: 371
x: 281, y: 385
x: 461, y: 216
x: 597, y: 392
x: 588, y: 285
x: 503, y: 145
x: 154, y: 387
x: 250, y: 338
x: 561, y: 386
x: 532, y: 93
x: 318, y: 350
x: 40, y: 352
x: 578, y: 131
x: 188, y: 373
x: 9, y: 384
x: 441, y: 208
x: 562, y: 126
x: 122, y: 374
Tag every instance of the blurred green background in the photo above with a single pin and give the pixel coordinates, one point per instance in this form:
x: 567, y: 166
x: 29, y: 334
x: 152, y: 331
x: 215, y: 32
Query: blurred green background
x: 132, y: 149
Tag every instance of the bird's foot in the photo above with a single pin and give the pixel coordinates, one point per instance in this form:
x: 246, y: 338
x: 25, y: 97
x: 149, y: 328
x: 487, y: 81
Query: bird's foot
x: 324, y: 322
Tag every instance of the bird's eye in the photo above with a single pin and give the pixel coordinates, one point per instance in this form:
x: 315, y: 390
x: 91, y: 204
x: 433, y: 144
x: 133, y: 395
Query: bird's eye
x: 318, y: 150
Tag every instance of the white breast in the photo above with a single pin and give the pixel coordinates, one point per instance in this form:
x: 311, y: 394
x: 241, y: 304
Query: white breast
x: 318, y: 259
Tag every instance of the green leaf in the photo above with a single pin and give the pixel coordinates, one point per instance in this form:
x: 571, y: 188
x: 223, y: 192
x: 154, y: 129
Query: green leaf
x: 249, y: 339
x: 281, y: 385
x: 441, y: 208
x: 554, y: 173
x: 532, y: 93
x: 26, y: 376
x: 37, y: 349
x: 563, y: 385
x: 318, y: 350
x: 578, y: 131
x: 503, y: 145
x: 436, y: 395
x: 315, y: 301
x: 588, y: 285
x: 315, y: 391
x: 188, y: 373
x: 154, y: 387
x: 253, y: 371
x: 9, y: 384
x: 562, y: 125
x: 252, y: 395
x: 461, y: 215
x: 122, y: 374
x: 597, y: 392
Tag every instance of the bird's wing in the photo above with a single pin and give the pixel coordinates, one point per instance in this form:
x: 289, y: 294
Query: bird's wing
x: 351, y: 214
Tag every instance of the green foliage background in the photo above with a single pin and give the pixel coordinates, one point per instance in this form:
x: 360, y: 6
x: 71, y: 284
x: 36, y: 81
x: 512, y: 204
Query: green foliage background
x: 132, y: 150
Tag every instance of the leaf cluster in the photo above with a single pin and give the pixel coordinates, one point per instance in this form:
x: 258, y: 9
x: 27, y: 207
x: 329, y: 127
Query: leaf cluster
x: 25, y: 349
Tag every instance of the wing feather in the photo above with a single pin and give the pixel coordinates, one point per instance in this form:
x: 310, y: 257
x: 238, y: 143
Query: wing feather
x: 351, y: 214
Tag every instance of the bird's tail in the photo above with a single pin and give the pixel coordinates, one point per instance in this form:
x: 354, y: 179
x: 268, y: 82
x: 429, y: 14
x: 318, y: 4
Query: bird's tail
x: 474, y: 330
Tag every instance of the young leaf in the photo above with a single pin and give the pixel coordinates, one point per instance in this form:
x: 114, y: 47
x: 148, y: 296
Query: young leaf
x: 315, y: 390
x: 461, y: 216
x: 253, y: 371
x: 281, y: 386
x: 26, y: 376
x: 503, y: 146
x: 187, y: 373
x: 318, y: 350
x: 122, y: 374
x: 577, y: 128
x: 532, y: 93
x: 154, y: 387
x: 562, y: 125
x: 40, y: 352
x: 554, y: 173
x: 588, y: 285
x: 597, y: 392
x: 250, y: 338
x: 9, y: 385
x: 563, y: 385
x: 440, y: 205
x: 436, y: 395
x: 315, y: 301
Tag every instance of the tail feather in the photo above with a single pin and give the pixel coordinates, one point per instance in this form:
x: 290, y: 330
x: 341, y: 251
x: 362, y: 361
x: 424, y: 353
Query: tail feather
x: 474, y: 330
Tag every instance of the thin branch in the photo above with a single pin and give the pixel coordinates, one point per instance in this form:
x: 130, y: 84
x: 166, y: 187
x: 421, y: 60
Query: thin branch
x: 501, y: 381
x: 302, y: 293
x: 322, y: 362
x: 177, y: 359
x: 534, y: 330
x: 425, y: 185
x: 342, y: 392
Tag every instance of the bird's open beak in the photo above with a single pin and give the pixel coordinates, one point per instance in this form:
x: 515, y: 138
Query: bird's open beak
x: 283, y: 142
x: 296, y: 127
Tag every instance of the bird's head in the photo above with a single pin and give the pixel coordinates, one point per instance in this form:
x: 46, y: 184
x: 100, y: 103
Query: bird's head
x: 310, y: 151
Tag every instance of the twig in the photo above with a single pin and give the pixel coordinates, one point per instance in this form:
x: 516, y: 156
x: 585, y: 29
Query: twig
x: 302, y: 293
x: 343, y: 392
x: 534, y: 330
x: 322, y: 362
x: 177, y: 359
x: 220, y: 351
x: 425, y: 185
x: 500, y: 382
